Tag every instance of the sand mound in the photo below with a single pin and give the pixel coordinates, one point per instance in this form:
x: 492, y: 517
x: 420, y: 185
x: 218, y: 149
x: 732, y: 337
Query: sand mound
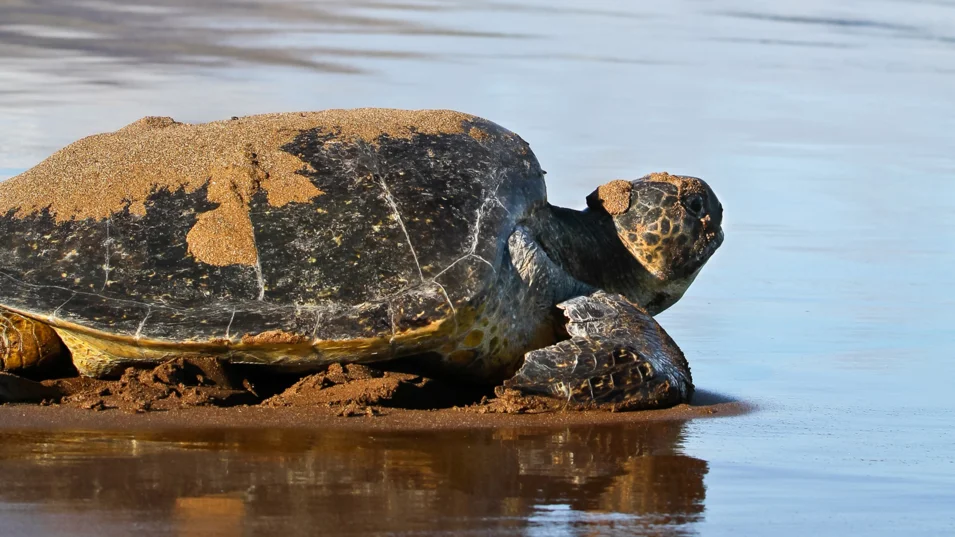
x: 340, y: 390
x: 190, y: 382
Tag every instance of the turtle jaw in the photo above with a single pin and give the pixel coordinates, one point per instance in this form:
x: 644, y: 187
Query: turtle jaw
x: 688, y: 263
x: 713, y: 240
x: 668, y: 286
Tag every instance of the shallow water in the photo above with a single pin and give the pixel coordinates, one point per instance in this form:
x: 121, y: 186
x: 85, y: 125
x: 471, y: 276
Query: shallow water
x: 283, y: 482
x: 826, y: 130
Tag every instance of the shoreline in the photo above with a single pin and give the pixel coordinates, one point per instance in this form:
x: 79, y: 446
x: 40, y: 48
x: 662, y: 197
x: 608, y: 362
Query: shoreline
x: 20, y: 417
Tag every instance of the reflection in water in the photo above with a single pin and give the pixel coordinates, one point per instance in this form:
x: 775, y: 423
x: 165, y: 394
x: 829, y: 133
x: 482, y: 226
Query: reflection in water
x: 590, y: 480
x: 205, y: 515
x: 827, y: 127
x: 215, y: 32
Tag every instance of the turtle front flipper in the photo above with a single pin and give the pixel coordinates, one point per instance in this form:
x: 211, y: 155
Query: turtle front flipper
x: 27, y: 345
x: 618, y: 357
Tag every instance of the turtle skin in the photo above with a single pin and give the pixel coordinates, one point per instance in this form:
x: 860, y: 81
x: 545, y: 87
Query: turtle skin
x: 617, y: 356
x: 27, y: 346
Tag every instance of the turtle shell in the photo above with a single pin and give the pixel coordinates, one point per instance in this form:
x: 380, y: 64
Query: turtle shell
x: 326, y: 226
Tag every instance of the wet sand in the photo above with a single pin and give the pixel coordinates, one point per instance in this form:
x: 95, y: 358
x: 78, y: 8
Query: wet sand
x: 31, y: 417
x: 204, y: 393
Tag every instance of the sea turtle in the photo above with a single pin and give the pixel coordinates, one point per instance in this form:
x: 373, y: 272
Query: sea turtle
x: 420, y: 238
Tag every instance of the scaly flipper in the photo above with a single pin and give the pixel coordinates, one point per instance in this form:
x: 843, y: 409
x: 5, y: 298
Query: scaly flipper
x: 27, y: 345
x: 618, y: 356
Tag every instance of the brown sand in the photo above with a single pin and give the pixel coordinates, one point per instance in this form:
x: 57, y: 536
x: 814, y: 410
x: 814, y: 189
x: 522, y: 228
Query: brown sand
x: 273, y: 336
x: 104, y: 174
x: 20, y: 417
x: 613, y: 197
x: 207, y: 393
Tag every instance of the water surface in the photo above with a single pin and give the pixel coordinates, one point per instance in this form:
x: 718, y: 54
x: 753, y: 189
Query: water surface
x: 283, y: 482
x: 826, y: 129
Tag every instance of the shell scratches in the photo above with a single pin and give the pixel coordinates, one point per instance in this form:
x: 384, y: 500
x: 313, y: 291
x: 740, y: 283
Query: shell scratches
x: 105, y: 174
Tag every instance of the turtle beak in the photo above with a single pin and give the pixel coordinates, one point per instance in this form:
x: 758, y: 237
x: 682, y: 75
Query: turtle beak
x: 711, y: 246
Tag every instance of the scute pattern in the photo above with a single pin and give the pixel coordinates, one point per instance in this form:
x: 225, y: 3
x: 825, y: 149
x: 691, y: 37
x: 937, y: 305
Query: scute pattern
x: 408, y: 232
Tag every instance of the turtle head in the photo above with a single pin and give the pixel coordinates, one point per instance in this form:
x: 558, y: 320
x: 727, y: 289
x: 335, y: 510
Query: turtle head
x: 670, y: 223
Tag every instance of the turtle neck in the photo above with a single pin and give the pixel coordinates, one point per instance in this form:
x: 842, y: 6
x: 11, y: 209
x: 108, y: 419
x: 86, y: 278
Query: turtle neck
x: 585, y: 244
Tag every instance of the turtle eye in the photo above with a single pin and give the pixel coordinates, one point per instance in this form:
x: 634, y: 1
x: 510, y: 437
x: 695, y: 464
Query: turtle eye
x: 694, y: 204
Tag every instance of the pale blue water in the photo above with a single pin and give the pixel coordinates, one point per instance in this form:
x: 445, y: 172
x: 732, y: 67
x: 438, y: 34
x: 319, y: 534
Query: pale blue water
x: 828, y: 131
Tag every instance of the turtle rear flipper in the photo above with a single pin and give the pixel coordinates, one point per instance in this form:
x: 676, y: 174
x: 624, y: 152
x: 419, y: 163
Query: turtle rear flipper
x: 618, y: 356
x: 27, y: 345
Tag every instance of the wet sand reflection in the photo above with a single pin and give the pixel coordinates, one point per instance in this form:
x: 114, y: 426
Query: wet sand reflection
x: 586, y: 480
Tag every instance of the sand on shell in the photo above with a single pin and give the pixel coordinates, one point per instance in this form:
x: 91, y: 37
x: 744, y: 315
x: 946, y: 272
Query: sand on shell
x: 188, y: 393
x: 105, y: 174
